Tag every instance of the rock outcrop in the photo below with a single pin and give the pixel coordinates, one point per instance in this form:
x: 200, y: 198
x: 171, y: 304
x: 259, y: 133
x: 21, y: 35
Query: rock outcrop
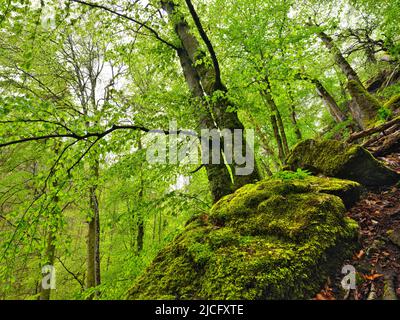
x: 276, y: 239
x: 336, y: 159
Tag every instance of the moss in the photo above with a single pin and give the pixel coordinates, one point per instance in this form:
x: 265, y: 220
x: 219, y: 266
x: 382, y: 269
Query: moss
x: 336, y: 159
x: 348, y: 191
x: 368, y: 105
x: 393, y: 103
x: 275, y: 239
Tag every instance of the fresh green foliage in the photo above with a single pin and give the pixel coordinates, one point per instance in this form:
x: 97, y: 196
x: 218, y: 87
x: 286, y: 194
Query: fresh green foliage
x: 384, y: 113
x: 82, y: 84
x: 291, y: 175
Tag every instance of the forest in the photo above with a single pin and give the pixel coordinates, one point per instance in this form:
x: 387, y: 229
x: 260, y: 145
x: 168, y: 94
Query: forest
x: 199, y: 150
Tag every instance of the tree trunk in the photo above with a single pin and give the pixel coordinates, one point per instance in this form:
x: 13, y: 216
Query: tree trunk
x: 364, y: 107
x: 264, y: 141
x: 218, y: 176
x: 140, y: 234
x: 293, y: 115
x: 339, y: 59
x: 140, y: 221
x: 49, y: 260
x: 282, y: 131
x: 274, y: 110
x: 51, y: 234
x: 93, y: 278
x: 293, y: 118
x: 276, y: 123
x: 329, y: 101
x: 200, y: 78
x: 278, y: 139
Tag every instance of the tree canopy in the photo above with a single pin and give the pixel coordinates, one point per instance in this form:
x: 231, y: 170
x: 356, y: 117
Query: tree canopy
x: 86, y: 85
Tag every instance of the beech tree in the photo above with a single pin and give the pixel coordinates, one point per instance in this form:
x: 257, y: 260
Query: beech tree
x: 84, y: 84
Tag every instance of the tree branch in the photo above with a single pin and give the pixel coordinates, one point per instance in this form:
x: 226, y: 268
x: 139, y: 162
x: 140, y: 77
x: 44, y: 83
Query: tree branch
x: 154, y: 32
x: 203, y: 34
x: 197, y: 169
x: 72, y: 274
x: 36, y: 121
x: 98, y: 135
x: 365, y: 133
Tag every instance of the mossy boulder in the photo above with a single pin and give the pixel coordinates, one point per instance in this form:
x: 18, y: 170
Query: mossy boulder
x: 275, y: 239
x: 336, y: 159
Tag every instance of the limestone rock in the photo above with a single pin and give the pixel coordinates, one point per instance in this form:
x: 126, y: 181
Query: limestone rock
x: 336, y: 159
x: 275, y: 239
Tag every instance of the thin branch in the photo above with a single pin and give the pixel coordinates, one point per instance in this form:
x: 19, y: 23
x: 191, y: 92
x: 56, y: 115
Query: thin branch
x: 72, y: 274
x: 203, y: 34
x: 197, y: 169
x: 99, y: 135
x: 82, y: 156
x: 154, y: 32
x: 51, y: 172
x: 36, y: 121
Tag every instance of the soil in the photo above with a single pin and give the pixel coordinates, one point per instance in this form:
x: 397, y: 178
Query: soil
x: 377, y: 263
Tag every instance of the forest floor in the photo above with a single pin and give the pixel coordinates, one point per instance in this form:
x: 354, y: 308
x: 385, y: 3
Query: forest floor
x: 377, y: 263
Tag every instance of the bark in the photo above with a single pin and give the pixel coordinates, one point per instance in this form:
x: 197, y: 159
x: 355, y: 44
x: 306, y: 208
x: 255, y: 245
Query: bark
x: 49, y: 260
x: 203, y: 80
x: 278, y: 139
x: 339, y: 59
x: 274, y: 110
x: 282, y: 130
x: 93, y: 277
x: 51, y: 236
x: 329, y: 101
x: 363, y: 108
x: 140, y: 234
x: 293, y: 115
x: 386, y: 145
x: 264, y: 140
x: 383, y: 135
x: 277, y: 126
x: 293, y: 118
x: 218, y: 176
x: 140, y: 221
x: 266, y: 168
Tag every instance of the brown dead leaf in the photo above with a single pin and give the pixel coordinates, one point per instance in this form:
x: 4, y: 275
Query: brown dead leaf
x: 372, y: 276
x: 324, y: 296
x: 360, y: 254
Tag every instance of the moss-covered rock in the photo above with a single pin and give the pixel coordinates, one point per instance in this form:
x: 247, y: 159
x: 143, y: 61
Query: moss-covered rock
x: 336, y: 159
x: 275, y: 239
x: 393, y: 103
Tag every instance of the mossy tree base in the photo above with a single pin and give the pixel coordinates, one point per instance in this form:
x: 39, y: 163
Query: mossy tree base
x: 365, y: 106
x: 336, y: 159
x: 271, y: 240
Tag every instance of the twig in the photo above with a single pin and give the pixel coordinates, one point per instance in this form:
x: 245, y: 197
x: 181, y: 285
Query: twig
x: 72, y: 274
x: 154, y: 32
x: 94, y: 134
x: 197, y: 169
